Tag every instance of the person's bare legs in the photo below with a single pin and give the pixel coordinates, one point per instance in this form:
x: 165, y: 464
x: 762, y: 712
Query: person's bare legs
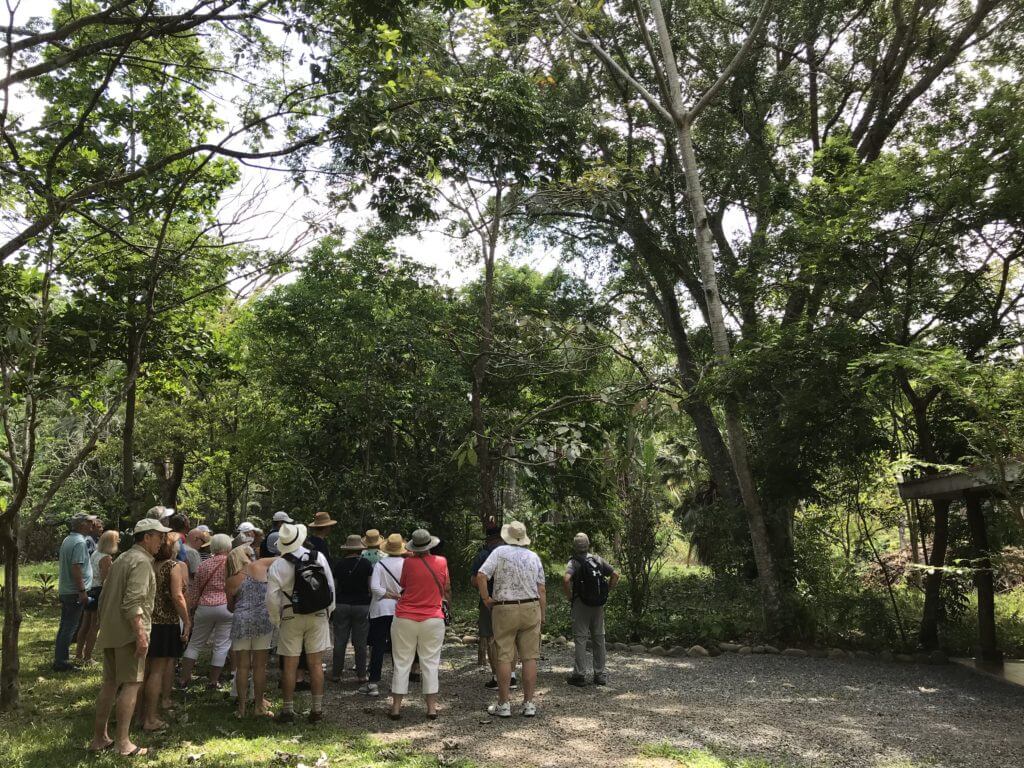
x: 167, y: 685
x: 316, y: 679
x: 90, y: 639
x: 84, y: 650
x: 104, y: 703
x: 529, y: 679
x: 125, y: 707
x: 151, y: 695
x: 396, y: 703
x: 259, y: 681
x: 431, y: 703
x: 215, y: 675
x: 289, y: 672
x: 242, y: 679
x: 504, y: 681
x: 187, y: 665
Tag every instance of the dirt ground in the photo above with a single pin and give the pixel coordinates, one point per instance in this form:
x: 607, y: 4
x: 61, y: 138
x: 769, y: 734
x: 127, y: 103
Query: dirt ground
x: 797, y: 712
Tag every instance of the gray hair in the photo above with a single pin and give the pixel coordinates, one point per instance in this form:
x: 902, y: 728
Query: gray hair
x: 220, y: 544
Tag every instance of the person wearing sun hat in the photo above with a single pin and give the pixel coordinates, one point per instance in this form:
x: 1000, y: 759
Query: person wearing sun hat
x: 418, y: 628
x: 126, y: 619
x: 319, y: 528
x: 371, y: 545
x: 298, y: 631
x: 517, y: 613
x: 385, y: 580
x: 351, y: 617
x: 268, y: 547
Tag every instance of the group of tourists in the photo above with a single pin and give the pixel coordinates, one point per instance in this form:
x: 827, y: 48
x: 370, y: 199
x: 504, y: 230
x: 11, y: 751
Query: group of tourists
x: 178, y: 591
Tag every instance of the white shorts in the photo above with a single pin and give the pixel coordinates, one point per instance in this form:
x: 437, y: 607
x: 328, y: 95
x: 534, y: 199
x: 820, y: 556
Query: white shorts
x: 257, y: 643
x: 311, y: 631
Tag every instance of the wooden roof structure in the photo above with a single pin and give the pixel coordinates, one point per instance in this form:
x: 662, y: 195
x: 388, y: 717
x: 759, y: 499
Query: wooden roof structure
x: 983, y: 481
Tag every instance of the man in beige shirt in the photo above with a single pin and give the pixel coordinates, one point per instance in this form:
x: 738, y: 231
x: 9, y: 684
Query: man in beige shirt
x: 126, y: 618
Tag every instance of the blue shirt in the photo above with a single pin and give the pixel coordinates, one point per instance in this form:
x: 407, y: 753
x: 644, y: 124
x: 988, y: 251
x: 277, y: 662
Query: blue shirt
x: 73, y: 550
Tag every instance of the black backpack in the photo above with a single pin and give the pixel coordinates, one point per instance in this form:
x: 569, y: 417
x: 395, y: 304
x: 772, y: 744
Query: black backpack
x: 589, y: 584
x: 311, y: 593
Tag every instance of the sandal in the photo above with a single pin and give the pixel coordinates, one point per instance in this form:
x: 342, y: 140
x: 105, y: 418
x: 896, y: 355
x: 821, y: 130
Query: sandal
x: 104, y: 748
x: 137, y: 752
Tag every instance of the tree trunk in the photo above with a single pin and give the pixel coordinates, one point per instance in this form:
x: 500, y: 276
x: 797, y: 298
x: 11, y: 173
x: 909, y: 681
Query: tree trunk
x: 485, y: 460
x: 10, y: 693
x: 128, y: 453
x: 229, y: 499
x: 760, y: 540
x: 171, y: 470
x: 988, y: 649
x: 928, y: 634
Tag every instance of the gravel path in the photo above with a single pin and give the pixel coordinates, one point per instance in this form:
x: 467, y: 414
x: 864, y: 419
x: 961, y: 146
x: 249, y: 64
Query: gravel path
x: 802, y: 711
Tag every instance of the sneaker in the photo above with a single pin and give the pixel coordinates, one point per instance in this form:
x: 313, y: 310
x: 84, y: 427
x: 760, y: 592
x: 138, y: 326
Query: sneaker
x: 315, y: 717
x: 529, y: 709
x: 578, y: 680
x: 600, y: 679
x: 369, y: 689
x: 284, y: 718
x: 513, y: 683
x: 500, y: 710
x: 491, y: 684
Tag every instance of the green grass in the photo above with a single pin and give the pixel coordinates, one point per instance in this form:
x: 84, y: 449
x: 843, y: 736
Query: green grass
x: 53, y: 726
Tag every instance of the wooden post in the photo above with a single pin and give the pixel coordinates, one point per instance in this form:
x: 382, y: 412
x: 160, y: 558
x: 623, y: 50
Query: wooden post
x: 983, y: 581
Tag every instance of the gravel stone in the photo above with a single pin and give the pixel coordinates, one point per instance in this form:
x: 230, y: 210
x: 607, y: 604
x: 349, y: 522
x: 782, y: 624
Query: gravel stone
x: 798, y: 712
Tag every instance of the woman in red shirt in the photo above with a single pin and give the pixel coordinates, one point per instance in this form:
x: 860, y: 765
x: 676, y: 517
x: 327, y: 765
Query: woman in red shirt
x: 418, y: 628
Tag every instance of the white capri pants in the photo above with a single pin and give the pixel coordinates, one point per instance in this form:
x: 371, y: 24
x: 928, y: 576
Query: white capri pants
x: 408, y: 638
x: 211, y: 626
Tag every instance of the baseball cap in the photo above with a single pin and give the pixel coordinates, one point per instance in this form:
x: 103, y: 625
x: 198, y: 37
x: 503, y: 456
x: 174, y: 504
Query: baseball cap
x: 282, y: 517
x: 246, y: 527
x: 149, y: 524
x: 203, y: 528
x: 81, y: 517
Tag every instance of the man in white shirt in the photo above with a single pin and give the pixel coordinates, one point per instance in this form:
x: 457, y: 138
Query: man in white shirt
x: 311, y: 630
x: 517, y: 613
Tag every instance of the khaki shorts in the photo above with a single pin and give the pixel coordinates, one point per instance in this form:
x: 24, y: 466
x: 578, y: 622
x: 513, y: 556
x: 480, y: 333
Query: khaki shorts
x: 121, y: 666
x: 257, y: 643
x: 311, y: 631
x: 517, y: 626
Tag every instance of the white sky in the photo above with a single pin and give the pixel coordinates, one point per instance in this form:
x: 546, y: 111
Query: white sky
x: 274, y: 215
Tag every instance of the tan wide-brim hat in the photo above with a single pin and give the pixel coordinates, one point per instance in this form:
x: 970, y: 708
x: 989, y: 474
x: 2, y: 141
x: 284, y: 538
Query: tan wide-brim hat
x: 515, y: 533
x: 353, y: 544
x: 371, y: 538
x: 393, y: 545
x: 322, y: 520
x: 422, y: 541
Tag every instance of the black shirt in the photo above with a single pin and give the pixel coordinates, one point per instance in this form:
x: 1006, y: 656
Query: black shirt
x: 352, y: 580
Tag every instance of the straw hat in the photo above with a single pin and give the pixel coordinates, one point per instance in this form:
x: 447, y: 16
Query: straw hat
x: 290, y: 537
x: 322, y: 520
x: 422, y: 541
x: 371, y: 540
x: 393, y: 545
x: 515, y: 533
x: 353, y: 543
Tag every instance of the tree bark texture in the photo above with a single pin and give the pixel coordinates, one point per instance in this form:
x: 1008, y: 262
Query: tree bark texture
x: 10, y: 692
x: 988, y: 648
x: 928, y: 634
x: 128, y: 455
